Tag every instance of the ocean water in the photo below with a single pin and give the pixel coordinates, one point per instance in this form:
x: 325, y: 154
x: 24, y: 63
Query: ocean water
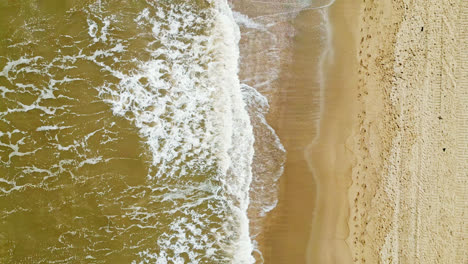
x: 124, y: 137
x: 136, y: 131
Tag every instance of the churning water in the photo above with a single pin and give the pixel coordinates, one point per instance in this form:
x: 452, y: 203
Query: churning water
x: 123, y: 134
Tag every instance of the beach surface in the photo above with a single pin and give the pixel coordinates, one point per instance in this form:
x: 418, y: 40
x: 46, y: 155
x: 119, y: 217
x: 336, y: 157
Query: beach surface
x: 373, y: 116
x: 316, y: 118
x: 408, y: 197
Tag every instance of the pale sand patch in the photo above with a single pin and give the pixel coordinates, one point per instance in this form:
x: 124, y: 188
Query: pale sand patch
x: 370, y: 210
x: 408, y: 197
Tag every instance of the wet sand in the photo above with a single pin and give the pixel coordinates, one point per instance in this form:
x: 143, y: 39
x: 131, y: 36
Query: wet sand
x: 330, y: 155
x: 314, y: 120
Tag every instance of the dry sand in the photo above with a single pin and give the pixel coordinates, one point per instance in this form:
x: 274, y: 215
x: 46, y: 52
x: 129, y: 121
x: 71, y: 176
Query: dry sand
x: 408, y: 197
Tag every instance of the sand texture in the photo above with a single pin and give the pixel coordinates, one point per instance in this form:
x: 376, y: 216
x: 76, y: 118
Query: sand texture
x: 329, y: 155
x: 408, y: 196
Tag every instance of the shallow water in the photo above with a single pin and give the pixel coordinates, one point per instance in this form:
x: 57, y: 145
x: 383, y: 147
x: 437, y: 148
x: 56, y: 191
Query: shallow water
x: 285, y: 47
x: 116, y: 127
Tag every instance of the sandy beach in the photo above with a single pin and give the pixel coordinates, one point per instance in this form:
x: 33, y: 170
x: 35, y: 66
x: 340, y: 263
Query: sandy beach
x: 330, y: 155
x: 316, y: 118
x: 408, y: 197
x: 376, y: 141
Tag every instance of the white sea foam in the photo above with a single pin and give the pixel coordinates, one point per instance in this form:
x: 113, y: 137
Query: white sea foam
x: 269, y: 159
x: 186, y: 101
x: 241, y: 150
x: 243, y: 20
x: 261, y: 43
x: 55, y: 127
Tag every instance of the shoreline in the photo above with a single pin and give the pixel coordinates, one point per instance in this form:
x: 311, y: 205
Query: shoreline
x: 306, y: 116
x: 330, y: 155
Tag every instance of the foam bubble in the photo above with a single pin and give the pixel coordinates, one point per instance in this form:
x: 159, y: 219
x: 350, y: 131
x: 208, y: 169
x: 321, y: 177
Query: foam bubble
x: 54, y: 127
x: 190, y: 109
